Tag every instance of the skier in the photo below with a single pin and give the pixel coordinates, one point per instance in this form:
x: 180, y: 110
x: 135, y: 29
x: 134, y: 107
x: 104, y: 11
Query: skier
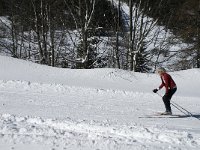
x: 170, y: 87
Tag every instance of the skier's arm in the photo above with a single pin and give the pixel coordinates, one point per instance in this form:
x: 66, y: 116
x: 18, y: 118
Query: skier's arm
x: 166, y: 83
x: 162, y: 84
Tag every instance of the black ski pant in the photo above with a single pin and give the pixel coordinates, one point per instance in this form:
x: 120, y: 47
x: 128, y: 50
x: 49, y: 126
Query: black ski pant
x: 167, y: 97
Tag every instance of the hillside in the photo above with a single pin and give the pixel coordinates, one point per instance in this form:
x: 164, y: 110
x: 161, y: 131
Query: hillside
x: 43, y: 107
x: 65, y: 38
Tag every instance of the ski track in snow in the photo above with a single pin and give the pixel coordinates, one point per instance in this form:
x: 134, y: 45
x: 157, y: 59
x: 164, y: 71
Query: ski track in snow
x: 72, y: 132
x: 102, y: 135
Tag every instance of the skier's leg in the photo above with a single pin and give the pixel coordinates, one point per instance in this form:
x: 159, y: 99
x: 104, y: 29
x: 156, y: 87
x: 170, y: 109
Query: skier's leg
x: 172, y: 91
x: 166, y: 100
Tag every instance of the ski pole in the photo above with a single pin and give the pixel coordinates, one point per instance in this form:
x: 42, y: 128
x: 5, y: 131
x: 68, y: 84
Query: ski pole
x: 189, y: 113
x: 175, y: 106
x: 179, y: 109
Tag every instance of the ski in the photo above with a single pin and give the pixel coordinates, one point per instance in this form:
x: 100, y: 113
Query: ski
x: 162, y: 114
x: 159, y: 115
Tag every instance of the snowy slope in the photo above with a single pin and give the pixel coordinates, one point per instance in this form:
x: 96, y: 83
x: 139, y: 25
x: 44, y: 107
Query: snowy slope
x: 50, y: 108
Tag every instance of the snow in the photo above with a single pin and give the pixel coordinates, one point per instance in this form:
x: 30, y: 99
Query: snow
x: 42, y: 107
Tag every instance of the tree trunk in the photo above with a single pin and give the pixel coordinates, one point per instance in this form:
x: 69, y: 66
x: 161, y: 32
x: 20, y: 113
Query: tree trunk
x: 198, y: 34
x: 117, y: 36
x: 131, y: 34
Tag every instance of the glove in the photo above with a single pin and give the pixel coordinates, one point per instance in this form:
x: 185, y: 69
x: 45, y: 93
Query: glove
x: 155, y: 90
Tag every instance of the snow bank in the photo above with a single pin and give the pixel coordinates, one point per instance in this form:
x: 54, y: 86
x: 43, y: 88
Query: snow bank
x: 14, y: 69
x: 42, y: 107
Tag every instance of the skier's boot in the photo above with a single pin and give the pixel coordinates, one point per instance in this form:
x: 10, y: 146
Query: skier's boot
x: 167, y: 113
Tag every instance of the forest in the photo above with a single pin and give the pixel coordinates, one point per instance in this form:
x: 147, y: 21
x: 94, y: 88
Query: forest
x: 136, y: 35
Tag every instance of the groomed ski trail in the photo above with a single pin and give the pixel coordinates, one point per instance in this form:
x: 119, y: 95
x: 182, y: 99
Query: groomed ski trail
x: 64, y: 117
x: 92, y: 134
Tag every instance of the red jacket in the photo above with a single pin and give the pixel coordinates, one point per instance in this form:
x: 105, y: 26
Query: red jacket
x: 167, y: 81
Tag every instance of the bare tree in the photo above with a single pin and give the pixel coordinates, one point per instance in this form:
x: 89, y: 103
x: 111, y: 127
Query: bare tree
x: 82, y: 13
x: 140, y: 28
